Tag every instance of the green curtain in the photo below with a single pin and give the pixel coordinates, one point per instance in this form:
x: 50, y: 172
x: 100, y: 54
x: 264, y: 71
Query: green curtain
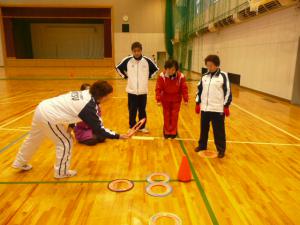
x: 169, y: 27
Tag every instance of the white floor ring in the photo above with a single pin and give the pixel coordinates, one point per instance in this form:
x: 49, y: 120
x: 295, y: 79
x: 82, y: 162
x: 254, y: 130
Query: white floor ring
x: 166, y: 178
x: 160, y: 215
x: 167, y: 186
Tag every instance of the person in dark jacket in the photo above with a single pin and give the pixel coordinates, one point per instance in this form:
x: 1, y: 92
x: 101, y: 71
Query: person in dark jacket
x: 51, y: 119
x: 213, y: 100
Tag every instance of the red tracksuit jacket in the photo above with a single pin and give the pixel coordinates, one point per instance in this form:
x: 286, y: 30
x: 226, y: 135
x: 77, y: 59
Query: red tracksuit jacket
x: 170, y: 91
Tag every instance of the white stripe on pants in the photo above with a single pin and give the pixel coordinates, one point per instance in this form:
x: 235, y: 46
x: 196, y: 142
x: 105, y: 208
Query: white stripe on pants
x: 40, y: 129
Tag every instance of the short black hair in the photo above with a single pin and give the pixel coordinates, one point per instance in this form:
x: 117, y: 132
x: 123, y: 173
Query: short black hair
x: 171, y: 63
x: 85, y: 86
x: 214, y: 59
x: 136, y: 45
x: 100, y: 89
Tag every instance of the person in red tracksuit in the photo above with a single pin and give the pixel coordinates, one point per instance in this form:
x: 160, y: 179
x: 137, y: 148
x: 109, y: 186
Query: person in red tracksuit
x: 170, y: 89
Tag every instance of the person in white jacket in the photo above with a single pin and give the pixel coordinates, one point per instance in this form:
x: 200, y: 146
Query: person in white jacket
x: 137, y: 69
x: 213, y: 100
x: 51, y: 119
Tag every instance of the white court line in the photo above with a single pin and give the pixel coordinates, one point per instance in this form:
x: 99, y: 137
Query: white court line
x: 265, y: 121
x: 14, y: 129
x: 19, y: 101
x: 147, y: 138
x: 121, y: 97
x: 14, y: 120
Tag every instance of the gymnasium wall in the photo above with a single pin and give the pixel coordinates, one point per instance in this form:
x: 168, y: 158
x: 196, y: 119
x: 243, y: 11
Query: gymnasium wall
x: 1, y: 50
x: 262, y: 50
x: 66, y: 41
x: 146, y: 19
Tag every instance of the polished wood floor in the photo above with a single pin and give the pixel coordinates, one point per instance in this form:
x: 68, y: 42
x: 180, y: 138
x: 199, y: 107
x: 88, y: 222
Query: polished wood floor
x: 258, y: 182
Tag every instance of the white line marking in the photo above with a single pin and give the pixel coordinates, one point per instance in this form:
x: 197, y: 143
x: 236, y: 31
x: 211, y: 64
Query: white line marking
x: 143, y: 138
x: 13, y: 129
x: 121, y: 97
x: 267, y: 122
x: 147, y: 138
x: 14, y: 120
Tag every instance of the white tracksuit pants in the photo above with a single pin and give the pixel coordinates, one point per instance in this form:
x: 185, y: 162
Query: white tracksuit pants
x: 40, y: 129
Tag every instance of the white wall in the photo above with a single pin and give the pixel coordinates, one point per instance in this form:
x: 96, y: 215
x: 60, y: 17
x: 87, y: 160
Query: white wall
x: 152, y: 43
x: 262, y: 50
x: 1, y: 50
x: 146, y: 20
x: 67, y: 41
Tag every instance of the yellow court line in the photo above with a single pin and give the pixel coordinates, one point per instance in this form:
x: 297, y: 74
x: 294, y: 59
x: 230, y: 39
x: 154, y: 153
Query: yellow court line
x: 21, y: 96
x: 231, y: 199
x: 266, y: 122
x: 14, y: 129
x: 19, y: 101
x: 123, y: 97
x: 190, y: 209
x: 149, y: 138
x: 16, y: 119
x: 233, y: 202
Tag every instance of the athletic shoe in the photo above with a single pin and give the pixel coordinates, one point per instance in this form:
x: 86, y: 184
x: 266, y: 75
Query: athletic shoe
x: 173, y: 136
x: 198, y: 149
x: 144, y: 130
x: 167, y: 136
x: 221, y: 154
x: 24, y: 167
x: 70, y: 173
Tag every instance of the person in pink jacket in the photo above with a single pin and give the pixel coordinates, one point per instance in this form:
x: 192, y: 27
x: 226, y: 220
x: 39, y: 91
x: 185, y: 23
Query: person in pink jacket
x: 83, y: 132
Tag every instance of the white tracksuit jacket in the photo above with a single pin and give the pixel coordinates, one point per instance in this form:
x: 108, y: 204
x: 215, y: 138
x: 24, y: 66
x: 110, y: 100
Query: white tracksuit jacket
x: 74, y: 107
x: 214, y: 92
x: 138, y: 72
x: 49, y: 120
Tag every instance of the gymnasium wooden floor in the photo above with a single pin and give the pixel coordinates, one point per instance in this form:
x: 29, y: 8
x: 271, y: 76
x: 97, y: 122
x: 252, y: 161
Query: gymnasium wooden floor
x: 258, y: 182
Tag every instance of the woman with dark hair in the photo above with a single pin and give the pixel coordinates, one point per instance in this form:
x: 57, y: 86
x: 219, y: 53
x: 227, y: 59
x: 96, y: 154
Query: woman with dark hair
x: 83, y: 132
x: 53, y: 114
x: 213, y: 100
x: 171, y: 88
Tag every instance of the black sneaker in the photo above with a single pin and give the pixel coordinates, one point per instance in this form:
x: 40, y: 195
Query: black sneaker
x: 221, y: 154
x: 199, y: 149
x: 167, y: 136
x: 173, y: 136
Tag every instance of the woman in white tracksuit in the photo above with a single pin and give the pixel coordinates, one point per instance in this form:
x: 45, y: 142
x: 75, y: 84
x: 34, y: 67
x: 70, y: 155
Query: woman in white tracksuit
x: 51, y: 118
x: 213, y: 100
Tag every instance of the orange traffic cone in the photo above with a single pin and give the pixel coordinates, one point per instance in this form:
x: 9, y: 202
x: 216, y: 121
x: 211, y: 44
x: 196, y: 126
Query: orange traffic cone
x: 184, y: 174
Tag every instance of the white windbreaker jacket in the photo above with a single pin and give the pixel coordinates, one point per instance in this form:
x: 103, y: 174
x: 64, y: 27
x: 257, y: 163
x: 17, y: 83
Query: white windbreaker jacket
x: 214, y: 92
x: 138, y: 72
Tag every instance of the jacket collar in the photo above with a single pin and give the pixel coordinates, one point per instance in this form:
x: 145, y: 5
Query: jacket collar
x: 138, y: 59
x: 217, y: 73
x: 172, y: 77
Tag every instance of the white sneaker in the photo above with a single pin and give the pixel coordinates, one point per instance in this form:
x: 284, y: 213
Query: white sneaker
x: 70, y: 173
x: 24, y: 167
x: 144, y: 130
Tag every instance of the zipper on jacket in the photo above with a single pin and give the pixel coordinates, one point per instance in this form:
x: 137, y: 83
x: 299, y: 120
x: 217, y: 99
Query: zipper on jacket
x: 211, y: 76
x: 137, y: 78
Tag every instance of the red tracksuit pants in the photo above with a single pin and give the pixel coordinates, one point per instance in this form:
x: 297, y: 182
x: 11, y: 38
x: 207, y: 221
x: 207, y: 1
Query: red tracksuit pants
x: 171, y: 112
